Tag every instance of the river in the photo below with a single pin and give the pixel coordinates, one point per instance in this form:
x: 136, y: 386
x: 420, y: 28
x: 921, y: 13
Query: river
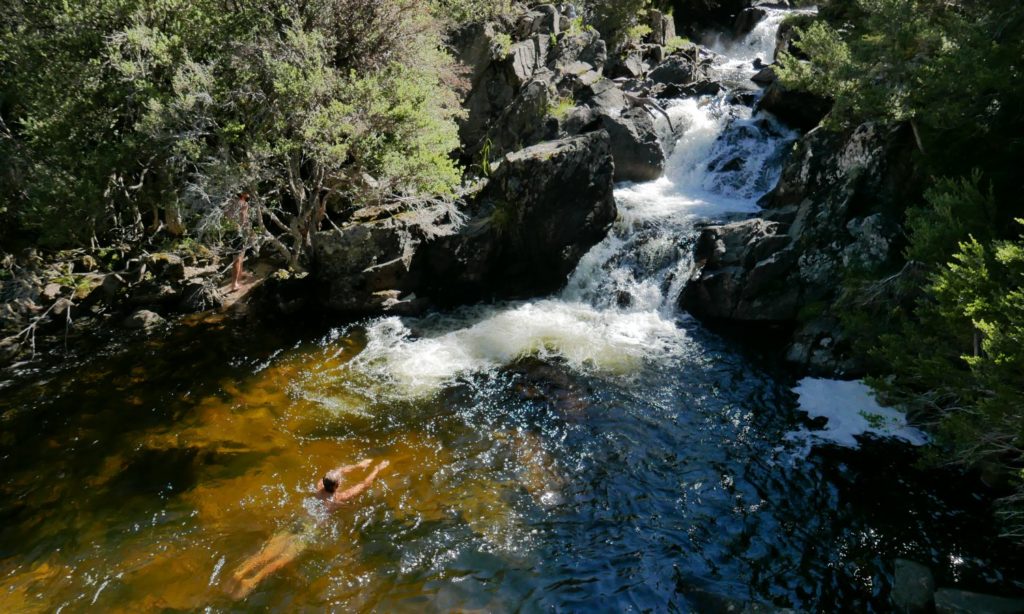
x: 595, y: 450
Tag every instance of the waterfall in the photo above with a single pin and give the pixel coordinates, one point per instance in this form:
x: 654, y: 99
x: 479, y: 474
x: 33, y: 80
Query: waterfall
x: 619, y: 307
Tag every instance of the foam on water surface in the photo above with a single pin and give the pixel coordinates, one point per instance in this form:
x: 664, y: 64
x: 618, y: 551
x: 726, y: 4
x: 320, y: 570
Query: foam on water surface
x: 852, y: 411
x: 588, y: 339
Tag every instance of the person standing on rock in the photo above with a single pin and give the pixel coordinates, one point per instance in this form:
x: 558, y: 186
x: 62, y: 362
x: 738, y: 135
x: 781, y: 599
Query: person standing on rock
x: 244, y: 239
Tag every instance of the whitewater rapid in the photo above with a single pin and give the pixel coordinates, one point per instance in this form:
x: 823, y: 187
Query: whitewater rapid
x: 619, y: 307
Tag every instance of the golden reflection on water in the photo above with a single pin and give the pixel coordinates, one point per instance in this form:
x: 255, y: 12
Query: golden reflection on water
x: 254, y: 448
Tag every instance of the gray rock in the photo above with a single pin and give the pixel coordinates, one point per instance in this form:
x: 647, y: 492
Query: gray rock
x: 765, y: 76
x: 144, y: 320
x: 835, y: 209
x: 635, y: 146
x: 950, y: 601
x: 739, y: 277
x: 604, y: 95
x: 663, y: 27
x: 631, y: 66
x: 166, y: 266
x: 913, y: 587
x: 676, y: 70
x: 523, y: 122
x: 747, y: 20
x: 801, y: 110
x: 520, y: 235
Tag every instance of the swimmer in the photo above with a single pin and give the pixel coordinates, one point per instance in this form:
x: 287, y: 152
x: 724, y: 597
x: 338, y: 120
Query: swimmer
x: 284, y: 548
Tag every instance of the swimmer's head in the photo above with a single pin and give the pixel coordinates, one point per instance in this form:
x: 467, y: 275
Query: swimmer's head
x: 331, y: 480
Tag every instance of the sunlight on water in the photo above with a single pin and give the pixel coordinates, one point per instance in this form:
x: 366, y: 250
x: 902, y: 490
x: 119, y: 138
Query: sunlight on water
x: 594, y: 450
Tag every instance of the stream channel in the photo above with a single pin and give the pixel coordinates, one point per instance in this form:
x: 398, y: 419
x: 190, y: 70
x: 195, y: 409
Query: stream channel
x: 594, y: 450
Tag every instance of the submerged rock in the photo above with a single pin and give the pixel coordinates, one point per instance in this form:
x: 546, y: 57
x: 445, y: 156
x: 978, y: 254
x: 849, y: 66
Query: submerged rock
x: 950, y: 601
x: 913, y: 587
x: 144, y: 320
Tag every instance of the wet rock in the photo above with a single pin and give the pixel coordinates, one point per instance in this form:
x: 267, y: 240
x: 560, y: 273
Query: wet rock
x: 527, y: 227
x: 801, y: 110
x: 677, y: 70
x: 835, y: 209
x: 913, y: 587
x: 743, y: 274
x: 950, y: 601
x: 144, y: 320
x: 166, y: 266
x: 539, y: 213
x: 765, y: 76
x: 635, y: 146
x: 747, y: 20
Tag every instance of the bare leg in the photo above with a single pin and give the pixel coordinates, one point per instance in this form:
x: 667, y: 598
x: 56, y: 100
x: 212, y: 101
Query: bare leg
x: 237, y: 270
x: 278, y: 552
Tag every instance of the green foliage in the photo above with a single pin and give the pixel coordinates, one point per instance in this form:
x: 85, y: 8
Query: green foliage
x: 468, y: 11
x: 559, y: 107
x: 950, y: 68
x: 943, y: 336
x: 955, y: 211
x: 615, y: 19
x: 676, y: 43
x: 501, y: 45
x: 119, y: 106
x: 975, y: 372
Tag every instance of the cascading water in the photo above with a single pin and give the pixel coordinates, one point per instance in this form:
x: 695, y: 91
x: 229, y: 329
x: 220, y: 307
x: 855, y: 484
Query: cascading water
x: 596, y: 450
x: 619, y: 306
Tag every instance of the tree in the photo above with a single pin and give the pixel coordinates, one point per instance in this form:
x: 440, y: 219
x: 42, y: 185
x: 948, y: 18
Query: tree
x: 311, y: 106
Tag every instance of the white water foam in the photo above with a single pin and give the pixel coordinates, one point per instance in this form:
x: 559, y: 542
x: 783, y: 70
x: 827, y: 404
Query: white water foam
x: 737, y: 56
x: 586, y: 338
x: 852, y: 411
x: 619, y: 307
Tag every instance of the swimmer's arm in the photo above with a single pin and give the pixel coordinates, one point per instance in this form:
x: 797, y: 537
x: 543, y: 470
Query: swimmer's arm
x: 350, y: 493
x: 345, y: 469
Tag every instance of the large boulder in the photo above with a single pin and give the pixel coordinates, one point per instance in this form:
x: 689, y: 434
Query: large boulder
x: 519, y: 235
x: 635, y: 145
x: 677, y: 70
x: 747, y: 20
x: 801, y: 110
x: 697, y: 16
x: 364, y: 267
x: 540, y: 212
x: 744, y: 268
x: 836, y: 209
x: 913, y: 587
